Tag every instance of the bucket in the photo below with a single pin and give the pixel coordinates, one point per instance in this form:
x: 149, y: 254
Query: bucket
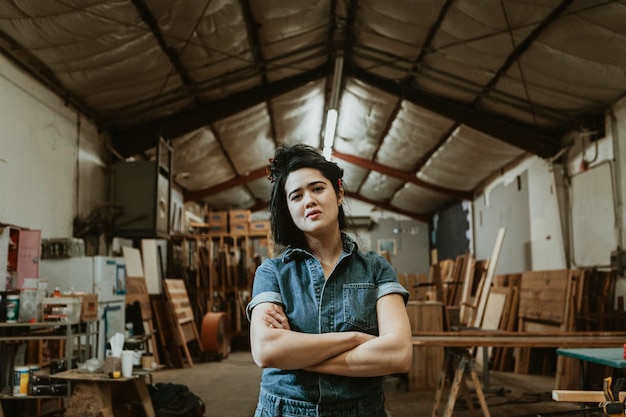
x: 20, y: 380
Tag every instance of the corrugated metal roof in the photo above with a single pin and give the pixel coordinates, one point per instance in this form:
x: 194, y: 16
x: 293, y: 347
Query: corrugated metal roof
x: 434, y: 97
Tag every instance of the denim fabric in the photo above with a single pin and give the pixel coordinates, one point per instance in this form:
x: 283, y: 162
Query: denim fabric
x: 346, y: 301
x: 272, y: 406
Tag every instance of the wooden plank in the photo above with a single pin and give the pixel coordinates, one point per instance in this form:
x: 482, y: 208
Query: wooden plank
x: 480, y: 268
x: 492, y: 317
x: 493, y: 261
x: 470, y: 338
x: 567, y: 375
x: 494, y: 309
x: 503, y: 355
x: 168, y: 332
x: 467, y: 291
x: 455, y: 283
x: 543, y: 295
x: 579, y: 396
x: 506, y: 305
x: 435, y: 276
x: 445, y: 274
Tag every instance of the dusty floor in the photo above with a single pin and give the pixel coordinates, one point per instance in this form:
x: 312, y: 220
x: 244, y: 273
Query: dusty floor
x: 230, y: 388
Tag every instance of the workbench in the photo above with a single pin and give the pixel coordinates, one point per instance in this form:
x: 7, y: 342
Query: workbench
x: 458, y: 346
x: 100, y: 386
x: 612, y: 357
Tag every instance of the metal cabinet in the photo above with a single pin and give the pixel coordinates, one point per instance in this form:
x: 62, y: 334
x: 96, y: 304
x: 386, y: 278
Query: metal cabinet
x: 142, y: 190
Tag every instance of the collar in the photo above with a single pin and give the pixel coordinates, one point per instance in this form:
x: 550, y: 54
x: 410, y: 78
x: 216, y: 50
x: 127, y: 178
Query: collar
x: 349, y: 246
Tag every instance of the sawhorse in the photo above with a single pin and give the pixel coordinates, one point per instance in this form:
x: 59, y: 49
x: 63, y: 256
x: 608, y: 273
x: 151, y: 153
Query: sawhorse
x: 464, y: 364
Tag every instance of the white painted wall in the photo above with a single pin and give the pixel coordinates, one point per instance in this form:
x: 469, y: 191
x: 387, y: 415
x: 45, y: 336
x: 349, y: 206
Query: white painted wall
x: 576, y: 215
x: 53, y: 163
x: 505, y: 205
x: 546, y: 237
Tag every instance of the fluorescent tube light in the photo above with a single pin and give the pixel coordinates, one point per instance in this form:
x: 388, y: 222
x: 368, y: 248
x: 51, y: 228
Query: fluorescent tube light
x: 328, y: 152
x: 331, y: 126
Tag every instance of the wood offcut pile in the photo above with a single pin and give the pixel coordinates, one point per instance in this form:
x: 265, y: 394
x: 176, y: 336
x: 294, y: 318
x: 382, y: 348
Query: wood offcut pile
x: 553, y: 301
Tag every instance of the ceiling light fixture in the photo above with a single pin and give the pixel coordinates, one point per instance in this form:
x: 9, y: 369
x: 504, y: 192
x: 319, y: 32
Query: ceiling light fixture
x: 332, y: 113
x: 331, y: 127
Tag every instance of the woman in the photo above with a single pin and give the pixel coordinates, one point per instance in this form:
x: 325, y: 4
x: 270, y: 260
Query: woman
x: 327, y: 322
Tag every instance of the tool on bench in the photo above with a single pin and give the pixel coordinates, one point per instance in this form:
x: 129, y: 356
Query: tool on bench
x: 613, y: 407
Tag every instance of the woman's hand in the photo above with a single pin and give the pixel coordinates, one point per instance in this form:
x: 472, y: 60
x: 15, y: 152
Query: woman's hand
x: 275, y: 317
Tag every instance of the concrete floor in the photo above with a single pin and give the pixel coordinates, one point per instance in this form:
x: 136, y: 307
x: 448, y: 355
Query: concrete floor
x: 230, y: 388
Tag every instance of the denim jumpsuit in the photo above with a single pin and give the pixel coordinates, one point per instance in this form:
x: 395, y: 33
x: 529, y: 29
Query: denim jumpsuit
x: 346, y: 301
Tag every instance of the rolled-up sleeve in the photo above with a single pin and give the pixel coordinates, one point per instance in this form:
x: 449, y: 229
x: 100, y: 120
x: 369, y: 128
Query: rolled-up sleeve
x: 387, y: 279
x: 393, y: 288
x: 264, y: 297
x: 265, y: 288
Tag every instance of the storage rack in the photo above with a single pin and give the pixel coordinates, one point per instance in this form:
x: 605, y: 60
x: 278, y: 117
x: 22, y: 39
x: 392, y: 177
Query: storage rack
x: 218, y: 269
x: 85, y: 333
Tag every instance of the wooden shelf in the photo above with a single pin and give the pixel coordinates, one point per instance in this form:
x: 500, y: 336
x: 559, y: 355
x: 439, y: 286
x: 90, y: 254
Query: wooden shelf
x: 219, y: 269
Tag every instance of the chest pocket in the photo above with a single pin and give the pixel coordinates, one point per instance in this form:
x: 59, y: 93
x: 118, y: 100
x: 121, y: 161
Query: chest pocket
x: 359, y: 305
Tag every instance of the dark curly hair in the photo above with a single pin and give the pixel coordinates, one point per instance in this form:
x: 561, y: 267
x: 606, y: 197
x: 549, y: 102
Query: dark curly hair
x: 287, y: 159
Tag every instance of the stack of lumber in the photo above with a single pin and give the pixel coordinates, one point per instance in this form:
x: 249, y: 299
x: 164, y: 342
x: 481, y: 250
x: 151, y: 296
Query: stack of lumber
x: 458, y: 284
x: 549, y: 301
x: 546, y: 305
x: 425, y: 316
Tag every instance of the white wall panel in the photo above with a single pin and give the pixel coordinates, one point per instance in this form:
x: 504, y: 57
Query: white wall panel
x: 42, y: 149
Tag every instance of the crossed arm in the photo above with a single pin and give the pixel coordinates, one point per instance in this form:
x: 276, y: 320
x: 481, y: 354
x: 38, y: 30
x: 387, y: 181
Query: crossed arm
x: 341, y: 353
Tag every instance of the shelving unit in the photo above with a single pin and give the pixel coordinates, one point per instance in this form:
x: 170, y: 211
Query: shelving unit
x: 218, y: 269
x: 76, y: 339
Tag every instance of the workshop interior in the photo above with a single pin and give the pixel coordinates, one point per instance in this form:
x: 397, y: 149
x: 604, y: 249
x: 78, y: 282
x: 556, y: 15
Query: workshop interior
x: 483, y: 156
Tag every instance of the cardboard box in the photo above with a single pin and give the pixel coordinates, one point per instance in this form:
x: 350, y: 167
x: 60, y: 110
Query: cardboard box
x: 88, y: 307
x: 217, y: 218
x: 239, y: 216
x: 218, y: 228
x: 260, y: 227
x: 240, y: 229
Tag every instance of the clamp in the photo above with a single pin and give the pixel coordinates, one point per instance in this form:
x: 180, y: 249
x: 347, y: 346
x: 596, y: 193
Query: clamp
x: 613, y: 407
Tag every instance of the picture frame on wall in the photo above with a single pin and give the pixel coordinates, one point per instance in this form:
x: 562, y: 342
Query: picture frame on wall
x: 387, y: 245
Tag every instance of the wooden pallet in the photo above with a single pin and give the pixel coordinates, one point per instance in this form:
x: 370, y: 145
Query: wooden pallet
x: 185, y: 326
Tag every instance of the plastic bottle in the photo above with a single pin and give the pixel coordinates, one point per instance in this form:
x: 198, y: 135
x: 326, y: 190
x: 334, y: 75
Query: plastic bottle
x: 13, y: 307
